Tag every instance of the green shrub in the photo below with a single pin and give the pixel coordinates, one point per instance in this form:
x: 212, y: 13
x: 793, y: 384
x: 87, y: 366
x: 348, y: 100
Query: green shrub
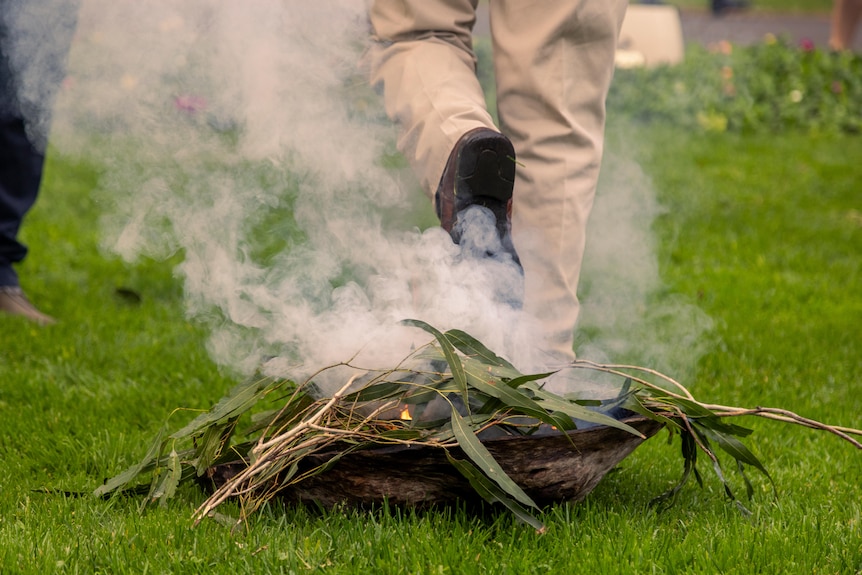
x: 771, y: 86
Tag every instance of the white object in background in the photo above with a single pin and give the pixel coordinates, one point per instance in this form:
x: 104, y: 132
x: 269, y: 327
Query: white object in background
x: 651, y: 35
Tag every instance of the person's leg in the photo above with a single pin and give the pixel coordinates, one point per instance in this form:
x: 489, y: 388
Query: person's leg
x: 34, y: 41
x: 846, y: 15
x: 423, y: 58
x: 554, y: 62
x: 20, y: 162
x: 20, y: 175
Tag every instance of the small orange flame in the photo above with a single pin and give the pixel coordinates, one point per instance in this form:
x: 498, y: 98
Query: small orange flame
x: 405, y: 414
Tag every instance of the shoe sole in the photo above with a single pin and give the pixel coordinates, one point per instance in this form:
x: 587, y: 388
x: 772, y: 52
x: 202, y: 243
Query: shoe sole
x: 485, y: 176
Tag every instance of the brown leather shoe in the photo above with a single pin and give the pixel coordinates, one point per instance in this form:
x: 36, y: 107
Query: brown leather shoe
x: 480, y: 171
x: 14, y: 302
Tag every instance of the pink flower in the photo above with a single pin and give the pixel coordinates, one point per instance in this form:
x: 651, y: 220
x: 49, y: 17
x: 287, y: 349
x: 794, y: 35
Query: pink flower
x: 837, y: 87
x: 190, y: 104
x: 806, y: 44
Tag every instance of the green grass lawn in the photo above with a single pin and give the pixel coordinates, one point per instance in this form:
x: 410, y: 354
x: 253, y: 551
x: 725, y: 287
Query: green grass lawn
x: 763, y: 233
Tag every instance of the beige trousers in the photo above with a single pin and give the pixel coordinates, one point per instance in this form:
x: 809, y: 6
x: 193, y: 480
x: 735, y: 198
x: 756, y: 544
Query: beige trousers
x: 553, y: 61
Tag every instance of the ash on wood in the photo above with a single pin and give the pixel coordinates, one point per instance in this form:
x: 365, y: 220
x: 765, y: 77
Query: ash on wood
x: 549, y: 468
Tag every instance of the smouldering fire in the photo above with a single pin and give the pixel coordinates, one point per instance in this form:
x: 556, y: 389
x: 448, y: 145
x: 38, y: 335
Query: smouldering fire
x: 405, y: 414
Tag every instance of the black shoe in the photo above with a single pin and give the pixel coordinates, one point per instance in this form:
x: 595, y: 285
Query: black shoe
x: 14, y: 302
x: 480, y: 172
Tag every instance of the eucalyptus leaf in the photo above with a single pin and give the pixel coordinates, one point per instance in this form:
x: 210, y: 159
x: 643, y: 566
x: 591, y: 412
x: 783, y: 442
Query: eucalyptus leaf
x: 550, y: 401
x: 455, y: 365
x: 133, y: 473
x: 688, y: 449
x: 238, y: 401
x: 636, y: 405
x: 297, y: 404
x: 491, y: 492
x: 716, y: 464
x: 376, y: 392
x: 211, y: 444
x: 749, y: 488
x: 735, y: 449
x: 473, y: 348
x: 483, y: 459
x: 519, y: 381
x: 171, y: 479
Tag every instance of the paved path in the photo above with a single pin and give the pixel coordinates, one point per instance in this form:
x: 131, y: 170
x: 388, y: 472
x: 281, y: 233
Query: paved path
x: 745, y: 27
x: 751, y: 27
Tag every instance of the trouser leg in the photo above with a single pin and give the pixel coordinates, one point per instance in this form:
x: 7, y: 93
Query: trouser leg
x: 20, y: 165
x: 554, y: 63
x: 423, y: 58
x: 20, y: 174
x: 34, y: 40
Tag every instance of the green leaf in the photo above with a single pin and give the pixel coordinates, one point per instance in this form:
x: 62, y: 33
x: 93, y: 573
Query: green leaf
x: 483, y: 459
x: 471, y: 347
x: 515, y: 399
x: 455, y: 365
x: 551, y: 401
x: 637, y: 406
x: 491, y: 492
x: 716, y: 466
x: 376, y: 392
x: 492, y: 405
x: 122, y: 480
x: 589, y: 402
x: 431, y: 391
x: 749, y: 488
x: 519, y: 381
x: 734, y: 448
x: 486, y: 383
x: 210, y: 446
x: 443, y: 431
x: 239, y: 400
x: 691, y: 408
x: 296, y: 404
x: 167, y: 487
x: 689, y: 455
x: 715, y: 423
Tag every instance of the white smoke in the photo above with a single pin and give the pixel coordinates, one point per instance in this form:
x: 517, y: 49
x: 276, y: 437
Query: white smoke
x: 625, y: 302
x: 36, y: 36
x: 244, y: 136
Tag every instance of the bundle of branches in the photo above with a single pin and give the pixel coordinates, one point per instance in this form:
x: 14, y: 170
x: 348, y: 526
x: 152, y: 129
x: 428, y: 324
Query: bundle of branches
x: 450, y: 395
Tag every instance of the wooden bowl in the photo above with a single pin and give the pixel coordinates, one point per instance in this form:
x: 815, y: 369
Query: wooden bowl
x: 549, y: 468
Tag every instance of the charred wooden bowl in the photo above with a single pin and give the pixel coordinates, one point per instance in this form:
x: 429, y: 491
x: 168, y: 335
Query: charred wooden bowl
x: 549, y: 468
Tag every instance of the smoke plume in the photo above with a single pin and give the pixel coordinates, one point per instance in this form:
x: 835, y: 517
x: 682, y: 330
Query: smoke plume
x: 244, y: 136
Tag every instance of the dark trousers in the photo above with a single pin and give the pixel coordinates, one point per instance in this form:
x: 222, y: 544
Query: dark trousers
x: 43, y: 27
x: 20, y: 175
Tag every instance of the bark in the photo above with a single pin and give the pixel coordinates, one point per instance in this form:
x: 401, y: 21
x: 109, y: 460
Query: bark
x: 549, y: 468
